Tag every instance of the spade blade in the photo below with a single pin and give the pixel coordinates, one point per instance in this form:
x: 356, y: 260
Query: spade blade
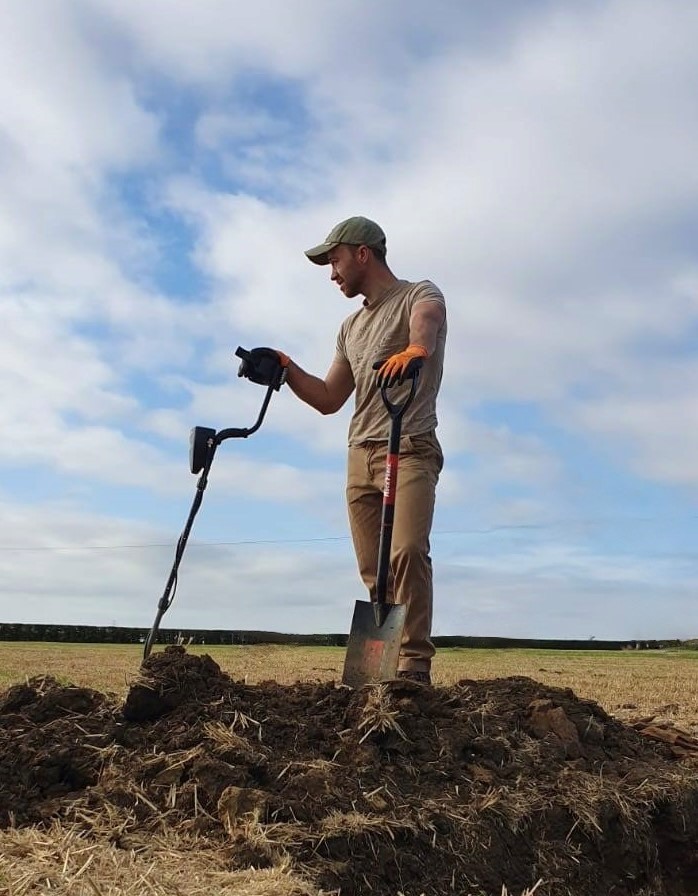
x: 373, y: 650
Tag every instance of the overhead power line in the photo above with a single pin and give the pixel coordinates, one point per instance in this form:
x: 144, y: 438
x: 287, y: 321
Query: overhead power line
x: 488, y: 530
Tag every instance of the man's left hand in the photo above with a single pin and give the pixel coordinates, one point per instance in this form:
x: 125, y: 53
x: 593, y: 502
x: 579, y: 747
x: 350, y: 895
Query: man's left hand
x: 397, y: 367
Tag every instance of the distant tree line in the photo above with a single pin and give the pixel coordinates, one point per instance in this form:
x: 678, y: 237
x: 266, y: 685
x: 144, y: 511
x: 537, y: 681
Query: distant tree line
x: 114, y: 634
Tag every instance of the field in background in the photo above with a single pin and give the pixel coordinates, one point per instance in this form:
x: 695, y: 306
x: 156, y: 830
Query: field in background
x: 625, y: 683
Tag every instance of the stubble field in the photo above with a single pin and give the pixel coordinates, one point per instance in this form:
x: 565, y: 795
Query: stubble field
x: 246, y: 770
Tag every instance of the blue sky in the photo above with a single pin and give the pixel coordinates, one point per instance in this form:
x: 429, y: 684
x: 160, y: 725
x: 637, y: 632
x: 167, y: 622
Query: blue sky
x: 162, y: 169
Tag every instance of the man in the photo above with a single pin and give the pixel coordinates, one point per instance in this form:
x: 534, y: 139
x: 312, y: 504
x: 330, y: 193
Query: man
x: 397, y: 322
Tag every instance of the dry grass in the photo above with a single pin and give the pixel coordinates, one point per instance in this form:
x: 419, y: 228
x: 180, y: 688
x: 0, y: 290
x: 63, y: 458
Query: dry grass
x: 65, y: 861
x: 378, y: 714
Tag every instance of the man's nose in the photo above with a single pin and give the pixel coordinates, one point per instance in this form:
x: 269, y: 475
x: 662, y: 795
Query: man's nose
x: 333, y: 274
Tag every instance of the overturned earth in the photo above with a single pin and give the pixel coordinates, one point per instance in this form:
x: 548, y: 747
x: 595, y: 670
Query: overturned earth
x: 387, y: 790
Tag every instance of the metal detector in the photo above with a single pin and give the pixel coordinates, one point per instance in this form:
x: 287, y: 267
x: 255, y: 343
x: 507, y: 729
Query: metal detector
x: 262, y: 366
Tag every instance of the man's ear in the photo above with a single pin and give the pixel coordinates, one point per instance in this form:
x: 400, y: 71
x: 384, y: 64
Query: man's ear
x: 362, y: 254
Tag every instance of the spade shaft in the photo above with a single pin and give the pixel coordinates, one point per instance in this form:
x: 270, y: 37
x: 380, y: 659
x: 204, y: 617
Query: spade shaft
x: 387, y: 518
x: 373, y: 648
x: 396, y: 412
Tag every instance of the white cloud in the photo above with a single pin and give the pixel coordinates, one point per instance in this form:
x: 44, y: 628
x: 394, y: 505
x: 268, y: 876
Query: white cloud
x: 656, y: 433
x: 53, y: 113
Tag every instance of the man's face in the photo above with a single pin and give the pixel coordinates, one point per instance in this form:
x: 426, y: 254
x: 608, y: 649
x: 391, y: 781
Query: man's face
x: 347, y: 269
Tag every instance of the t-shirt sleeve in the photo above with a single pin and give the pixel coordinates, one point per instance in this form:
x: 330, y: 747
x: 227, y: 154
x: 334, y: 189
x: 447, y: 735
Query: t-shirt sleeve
x: 426, y: 291
x: 340, y: 352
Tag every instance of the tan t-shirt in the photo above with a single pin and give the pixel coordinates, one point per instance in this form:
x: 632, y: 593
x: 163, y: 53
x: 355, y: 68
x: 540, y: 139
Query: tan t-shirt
x: 373, y: 333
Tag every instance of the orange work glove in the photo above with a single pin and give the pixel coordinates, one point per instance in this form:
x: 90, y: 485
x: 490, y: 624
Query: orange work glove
x: 398, y: 366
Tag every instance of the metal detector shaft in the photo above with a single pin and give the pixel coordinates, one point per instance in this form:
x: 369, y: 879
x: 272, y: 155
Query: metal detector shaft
x: 212, y: 443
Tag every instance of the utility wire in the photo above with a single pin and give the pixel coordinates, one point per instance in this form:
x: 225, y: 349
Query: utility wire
x: 513, y: 527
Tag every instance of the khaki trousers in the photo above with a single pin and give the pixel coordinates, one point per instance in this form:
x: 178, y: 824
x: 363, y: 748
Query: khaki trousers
x: 410, y: 579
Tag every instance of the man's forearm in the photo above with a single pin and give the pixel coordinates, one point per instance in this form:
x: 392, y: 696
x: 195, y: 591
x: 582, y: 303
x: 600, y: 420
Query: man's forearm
x: 425, y: 323
x: 310, y: 389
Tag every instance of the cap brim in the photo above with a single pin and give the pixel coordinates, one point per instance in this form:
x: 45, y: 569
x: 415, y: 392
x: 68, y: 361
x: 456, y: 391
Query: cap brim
x: 318, y: 255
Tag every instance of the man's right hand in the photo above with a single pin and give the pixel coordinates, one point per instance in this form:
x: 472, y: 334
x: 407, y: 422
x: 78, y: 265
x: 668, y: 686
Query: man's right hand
x: 398, y: 367
x: 284, y: 359
x: 263, y: 365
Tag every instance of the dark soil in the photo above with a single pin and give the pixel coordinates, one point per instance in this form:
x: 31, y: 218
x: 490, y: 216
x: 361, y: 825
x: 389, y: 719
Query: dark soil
x: 398, y: 788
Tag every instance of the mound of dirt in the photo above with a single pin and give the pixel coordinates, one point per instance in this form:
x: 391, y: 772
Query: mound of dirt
x: 394, y: 789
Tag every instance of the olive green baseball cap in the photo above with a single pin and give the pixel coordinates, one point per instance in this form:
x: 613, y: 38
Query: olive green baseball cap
x: 356, y: 231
